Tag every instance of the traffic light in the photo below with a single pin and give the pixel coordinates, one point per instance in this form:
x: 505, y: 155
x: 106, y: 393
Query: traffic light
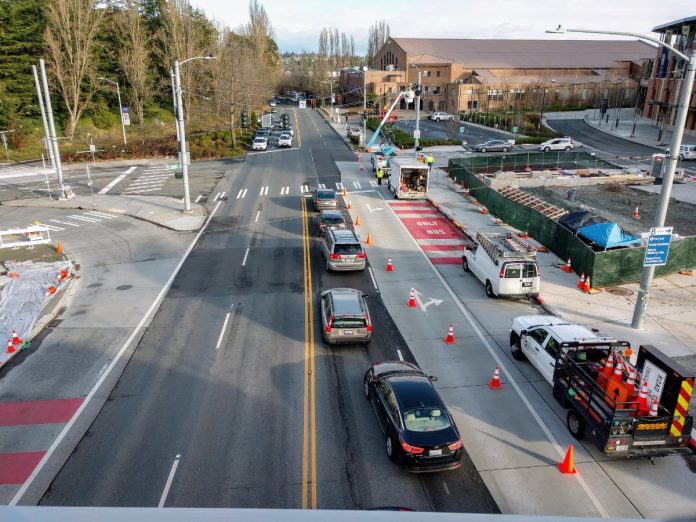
x: 244, y: 119
x: 285, y: 120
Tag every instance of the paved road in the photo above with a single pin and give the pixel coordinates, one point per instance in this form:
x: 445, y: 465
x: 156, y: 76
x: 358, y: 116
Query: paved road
x: 450, y: 130
x: 219, y: 394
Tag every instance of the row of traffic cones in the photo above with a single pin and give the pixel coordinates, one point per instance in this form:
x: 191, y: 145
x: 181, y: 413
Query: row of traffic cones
x: 585, y: 285
x: 14, y: 344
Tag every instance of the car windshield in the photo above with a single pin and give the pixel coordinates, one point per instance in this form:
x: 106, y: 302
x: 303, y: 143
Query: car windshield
x: 426, y: 419
x: 325, y: 194
x: 333, y: 220
x: 284, y: 136
x: 347, y: 249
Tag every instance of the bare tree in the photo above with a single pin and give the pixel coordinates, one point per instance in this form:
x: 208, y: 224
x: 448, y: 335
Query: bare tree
x: 134, y: 58
x: 377, y: 36
x: 71, y: 30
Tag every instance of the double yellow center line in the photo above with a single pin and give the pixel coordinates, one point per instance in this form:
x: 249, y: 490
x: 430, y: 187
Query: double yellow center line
x: 309, y: 444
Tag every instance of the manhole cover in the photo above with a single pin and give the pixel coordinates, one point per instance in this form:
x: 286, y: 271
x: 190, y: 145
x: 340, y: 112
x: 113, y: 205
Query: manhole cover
x: 124, y: 287
x: 55, y: 323
x: 617, y: 290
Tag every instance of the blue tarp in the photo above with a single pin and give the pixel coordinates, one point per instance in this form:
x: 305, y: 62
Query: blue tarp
x: 608, y: 235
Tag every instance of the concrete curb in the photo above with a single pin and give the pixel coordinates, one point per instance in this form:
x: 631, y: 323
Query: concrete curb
x: 486, y: 127
x: 347, y: 142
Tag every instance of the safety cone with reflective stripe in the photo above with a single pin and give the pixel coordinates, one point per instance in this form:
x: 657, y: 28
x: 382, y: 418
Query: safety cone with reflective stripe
x: 587, y: 287
x: 357, y: 221
x: 15, y: 338
x: 636, y: 213
x: 567, y: 267
x: 495, y: 381
x: 10, y: 347
x: 412, y: 299
x: 390, y: 268
x: 609, y: 365
x: 345, y: 192
x: 581, y: 283
x: 643, y: 399
x: 567, y: 466
x: 450, y: 335
x: 368, y: 241
x: 361, y: 167
x: 653, y: 409
x: 349, y: 205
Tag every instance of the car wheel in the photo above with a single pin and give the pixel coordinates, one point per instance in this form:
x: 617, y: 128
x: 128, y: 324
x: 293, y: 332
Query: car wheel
x: 483, y: 149
x: 505, y: 149
x: 547, y: 149
x: 567, y: 148
x: 489, y: 289
x: 437, y: 119
x: 465, y: 264
x: 516, y: 348
x: 576, y: 424
x: 366, y: 389
x: 391, y: 450
x: 681, y: 157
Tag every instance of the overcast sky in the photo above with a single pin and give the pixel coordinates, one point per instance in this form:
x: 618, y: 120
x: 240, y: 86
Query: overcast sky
x: 297, y: 22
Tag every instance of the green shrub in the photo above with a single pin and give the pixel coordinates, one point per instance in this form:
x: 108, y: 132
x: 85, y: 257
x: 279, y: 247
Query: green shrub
x: 533, y: 139
x: 104, y: 118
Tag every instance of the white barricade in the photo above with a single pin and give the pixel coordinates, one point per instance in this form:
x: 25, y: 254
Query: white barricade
x: 18, y: 237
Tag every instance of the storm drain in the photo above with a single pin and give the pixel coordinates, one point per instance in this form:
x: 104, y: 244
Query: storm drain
x: 617, y: 290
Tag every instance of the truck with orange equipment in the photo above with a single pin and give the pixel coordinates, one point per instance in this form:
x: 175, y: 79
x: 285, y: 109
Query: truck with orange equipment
x: 629, y: 410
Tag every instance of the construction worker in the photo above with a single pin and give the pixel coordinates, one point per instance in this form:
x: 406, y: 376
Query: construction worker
x: 380, y: 175
x: 430, y: 160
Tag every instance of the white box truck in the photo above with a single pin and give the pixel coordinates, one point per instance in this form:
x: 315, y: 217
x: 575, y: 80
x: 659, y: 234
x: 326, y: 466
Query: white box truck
x: 408, y: 178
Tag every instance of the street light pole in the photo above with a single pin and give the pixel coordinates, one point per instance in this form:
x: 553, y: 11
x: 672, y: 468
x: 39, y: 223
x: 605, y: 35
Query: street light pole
x: 672, y: 158
x: 416, y: 133
x: 541, y: 116
x: 365, y: 69
x: 120, y: 107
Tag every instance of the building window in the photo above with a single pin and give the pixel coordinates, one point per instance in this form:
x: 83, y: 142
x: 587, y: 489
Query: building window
x: 396, y: 63
x: 495, y: 94
x: 436, y: 89
x: 426, y: 88
x: 437, y: 74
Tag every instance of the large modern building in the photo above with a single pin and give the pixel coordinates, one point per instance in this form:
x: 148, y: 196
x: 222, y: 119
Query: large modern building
x: 462, y: 75
x: 665, y: 83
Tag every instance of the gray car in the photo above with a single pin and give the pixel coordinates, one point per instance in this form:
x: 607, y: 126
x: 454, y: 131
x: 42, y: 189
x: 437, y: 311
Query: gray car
x: 343, y: 251
x: 324, y: 199
x: 493, y: 146
x: 330, y: 220
x: 345, y: 317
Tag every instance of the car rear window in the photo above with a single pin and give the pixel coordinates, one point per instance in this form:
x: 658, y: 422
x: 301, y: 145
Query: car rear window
x: 347, y: 249
x: 426, y: 419
x: 348, y: 322
x: 326, y: 194
x: 518, y: 270
x: 333, y: 220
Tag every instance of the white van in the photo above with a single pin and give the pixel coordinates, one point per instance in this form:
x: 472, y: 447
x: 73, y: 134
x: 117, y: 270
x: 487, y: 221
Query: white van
x: 505, y: 264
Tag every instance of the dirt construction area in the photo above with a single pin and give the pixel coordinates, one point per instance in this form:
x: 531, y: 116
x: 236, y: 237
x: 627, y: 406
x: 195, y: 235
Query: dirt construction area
x: 617, y: 203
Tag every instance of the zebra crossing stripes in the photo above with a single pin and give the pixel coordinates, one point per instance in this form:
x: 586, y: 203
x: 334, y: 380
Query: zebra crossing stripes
x: 304, y: 189
x: 357, y: 184
x: 264, y: 191
x: 373, y: 183
x: 284, y: 191
x: 151, y: 180
x: 321, y: 185
x: 77, y: 220
x: 339, y: 185
x: 242, y: 193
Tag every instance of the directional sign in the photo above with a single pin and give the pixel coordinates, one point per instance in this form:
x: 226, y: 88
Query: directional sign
x: 658, y: 246
x: 515, y: 129
x: 125, y: 115
x: 424, y: 305
x: 416, y: 134
x: 462, y: 130
x: 303, y: 104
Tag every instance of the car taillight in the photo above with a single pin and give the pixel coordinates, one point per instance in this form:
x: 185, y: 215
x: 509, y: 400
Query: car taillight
x: 413, y: 450
x: 335, y: 256
x: 367, y: 322
x: 502, y: 272
x: 328, y: 325
x: 455, y: 445
x: 361, y: 255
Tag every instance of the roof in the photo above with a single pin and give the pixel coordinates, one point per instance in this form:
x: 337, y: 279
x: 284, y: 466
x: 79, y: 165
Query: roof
x: 346, y: 301
x: 345, y: 236
x: 514, y: 54
x: 413, y: 391
x: 676, y: 24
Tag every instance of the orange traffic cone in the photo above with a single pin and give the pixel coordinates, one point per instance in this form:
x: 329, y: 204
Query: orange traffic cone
x: 59, y: 248
x: 609, y: 366
x: 349, y: 205
x: 369, y: 239
x: 51, y: 290
x: 361, y: 166
x: 412, y: 299
x: 636, y: 213
x: 390, y: 268
x: 567, y: 465
x: 10, y: 347
x: 587, y: 287
x: 462, y: 184
x: 581, y: 283
x: 63, y: 275
x: 345, y: 192
x: 524, y: 235
x: 643, y: 399
x: 15, y: 338
x: 450, y: 335
x: 653, y: 409
x: 495, y: 381
x: 567, y: 267
x: 357, y: 221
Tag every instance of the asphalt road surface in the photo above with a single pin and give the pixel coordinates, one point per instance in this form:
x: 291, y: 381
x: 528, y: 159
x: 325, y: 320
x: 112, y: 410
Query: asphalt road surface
x: 231, y: 399
x: 450, y: 130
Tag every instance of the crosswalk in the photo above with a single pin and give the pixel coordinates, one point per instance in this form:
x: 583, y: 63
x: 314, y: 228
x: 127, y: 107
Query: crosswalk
x: 151, y: 180
x: 73, y: 221
x: 303, y: 190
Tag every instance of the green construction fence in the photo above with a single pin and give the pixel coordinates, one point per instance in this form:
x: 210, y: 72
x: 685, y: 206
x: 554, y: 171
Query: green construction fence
x: 610, y: 267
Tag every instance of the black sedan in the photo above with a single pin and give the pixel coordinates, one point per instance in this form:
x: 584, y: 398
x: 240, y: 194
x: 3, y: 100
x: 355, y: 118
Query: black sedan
x: 493, y: 146
x: 420, y: 432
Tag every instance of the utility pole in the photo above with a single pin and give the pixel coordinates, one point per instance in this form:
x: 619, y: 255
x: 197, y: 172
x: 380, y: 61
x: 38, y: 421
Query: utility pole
x: 47, y: 145
x: 174, y: 105
x: 416, y: 133
x: 364, y: 133
x: 52, y: 129
x: 120, y: 107
x: 232, y: 111
x: 183, y: 153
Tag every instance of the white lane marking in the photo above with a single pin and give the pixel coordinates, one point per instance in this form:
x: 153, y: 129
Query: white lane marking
x: 64, y: 223
x: 246, y: 254
x: 116, y: 181
x: 138, y: 191
x: 284, y: 190
x: 372, y: 276
x: 51, y: 227
x: 339, y: 185
x: 217, y: 196
x: 304, y: 188
x: 222, y: 332
x: 98, y: 215
x: 257, y: 216
x: 499, y: 362
x: 198, y: 198
x: 153, y: 177
x: 68, y: 426
x: 446, y: 488
x: 373, y: 183
x: 401, y: 357
x: 82, y: 218
x: 223, y: 194
x: 145, y: 184
x: 170, y: 479
x: 242, y: 193
x: 357, y: 185
x: 264, y: 191
x: 321, y: 185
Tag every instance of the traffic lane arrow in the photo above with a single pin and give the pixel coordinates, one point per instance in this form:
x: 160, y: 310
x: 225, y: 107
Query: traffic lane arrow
x: 424, y: 305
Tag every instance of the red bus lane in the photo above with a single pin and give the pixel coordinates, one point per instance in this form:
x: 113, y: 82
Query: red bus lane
x: 442, y: 242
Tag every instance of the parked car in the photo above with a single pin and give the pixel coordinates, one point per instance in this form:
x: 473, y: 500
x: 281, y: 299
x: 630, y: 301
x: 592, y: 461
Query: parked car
x: 324, y: 199
x: 345, y: 317
x: 343, y: 250
x: 557, y: 144
x: 378, y: 159
x: 285, y: 140
x: 687, y: 152
x: 493, y: 146
x: 351, y: 131
x: 441, y: 116
x: 330, y: 220
x: 272, y: 104
x: 260, y: 143
x: 419, y: 430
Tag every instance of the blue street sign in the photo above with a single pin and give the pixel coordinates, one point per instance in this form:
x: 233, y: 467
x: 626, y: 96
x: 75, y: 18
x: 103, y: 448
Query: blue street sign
x: 658, y: 246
